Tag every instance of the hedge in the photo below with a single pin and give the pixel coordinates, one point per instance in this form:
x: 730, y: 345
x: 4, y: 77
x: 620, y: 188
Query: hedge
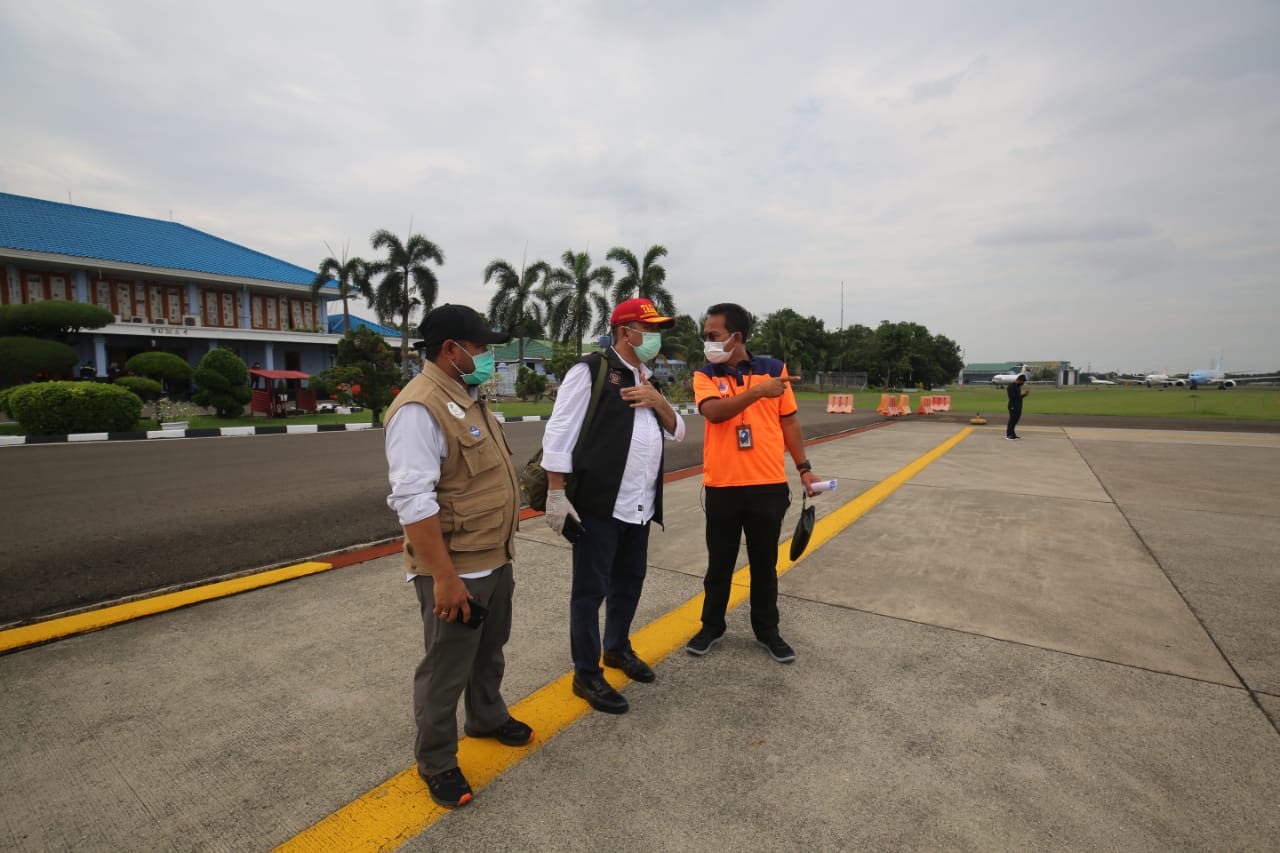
x: 23, y: 359
x: 61, y: 408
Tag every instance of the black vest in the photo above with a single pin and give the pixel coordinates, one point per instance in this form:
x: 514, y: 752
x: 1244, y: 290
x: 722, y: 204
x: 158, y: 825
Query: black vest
x: 599, y: 465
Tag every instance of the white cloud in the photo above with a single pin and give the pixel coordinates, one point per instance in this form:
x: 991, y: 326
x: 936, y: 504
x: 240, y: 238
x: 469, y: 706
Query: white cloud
x: 1093, y: 183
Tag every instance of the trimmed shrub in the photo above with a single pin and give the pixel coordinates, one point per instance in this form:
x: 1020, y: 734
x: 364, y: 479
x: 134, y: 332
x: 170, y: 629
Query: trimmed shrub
x: 159, y: 365
x: 4, y: 400
x: 59, y: 408
x: 146, y: 389
x: 223, y: 379
x: 24, y: 359
x: 54, y: 318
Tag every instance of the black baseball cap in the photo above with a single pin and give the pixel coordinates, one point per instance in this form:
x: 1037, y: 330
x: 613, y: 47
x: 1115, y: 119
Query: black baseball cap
x: 457, y: 323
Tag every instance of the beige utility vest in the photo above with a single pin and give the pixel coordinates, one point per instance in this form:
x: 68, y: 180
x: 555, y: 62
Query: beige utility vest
x: 478, y: 494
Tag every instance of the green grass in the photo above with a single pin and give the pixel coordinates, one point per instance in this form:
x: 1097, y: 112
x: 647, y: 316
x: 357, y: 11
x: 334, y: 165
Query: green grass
x: 1257, y: 403
x: 516, y: 409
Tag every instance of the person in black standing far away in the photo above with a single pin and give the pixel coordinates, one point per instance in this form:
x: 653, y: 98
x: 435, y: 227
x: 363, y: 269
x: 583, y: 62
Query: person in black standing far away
x: 1016, y: 391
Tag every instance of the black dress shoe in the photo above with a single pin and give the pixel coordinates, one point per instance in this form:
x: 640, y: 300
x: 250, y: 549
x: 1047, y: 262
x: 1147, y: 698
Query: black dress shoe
x: 636, y: 669
x: 600, y: 695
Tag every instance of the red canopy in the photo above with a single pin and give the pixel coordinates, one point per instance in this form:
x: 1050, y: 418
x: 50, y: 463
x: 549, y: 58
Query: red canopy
x: 280, y: 374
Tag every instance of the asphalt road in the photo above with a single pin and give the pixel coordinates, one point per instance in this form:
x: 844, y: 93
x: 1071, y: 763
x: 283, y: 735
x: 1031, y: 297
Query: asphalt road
x: 94, y: 522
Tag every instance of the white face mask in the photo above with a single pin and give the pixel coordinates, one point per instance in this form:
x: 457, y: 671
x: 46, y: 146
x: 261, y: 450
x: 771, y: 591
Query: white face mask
x: 717, y: 352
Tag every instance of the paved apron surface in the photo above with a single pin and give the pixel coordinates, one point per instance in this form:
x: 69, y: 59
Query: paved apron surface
x: 1068, y: 642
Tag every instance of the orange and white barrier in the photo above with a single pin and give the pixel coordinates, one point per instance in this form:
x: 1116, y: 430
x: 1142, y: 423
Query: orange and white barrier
x: 840, y: 404
x: 894, y: 405
x: 930, y: 403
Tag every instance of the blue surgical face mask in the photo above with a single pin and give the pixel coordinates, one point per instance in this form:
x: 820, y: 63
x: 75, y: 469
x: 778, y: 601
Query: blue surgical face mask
x: 648, y: 347
x: 481, y: 369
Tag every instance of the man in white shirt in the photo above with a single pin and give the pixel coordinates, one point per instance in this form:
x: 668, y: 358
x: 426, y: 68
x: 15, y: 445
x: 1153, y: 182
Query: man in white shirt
x: 454, y: 491
x: 617, y: 491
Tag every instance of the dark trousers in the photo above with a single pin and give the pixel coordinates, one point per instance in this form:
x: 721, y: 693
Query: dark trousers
x: 609, y: 565
x: 757, y: 512
x: 460, y: 661
x: 1015, y: 415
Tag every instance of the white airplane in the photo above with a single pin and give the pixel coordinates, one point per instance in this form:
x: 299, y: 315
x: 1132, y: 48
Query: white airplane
x: 1093, y: 380
x: 1010, y: 378
x: 1216, y: 376
x: 1154, y: 379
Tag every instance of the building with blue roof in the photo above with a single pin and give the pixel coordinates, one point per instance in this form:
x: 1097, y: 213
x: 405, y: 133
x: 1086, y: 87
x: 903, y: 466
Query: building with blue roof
x: 170, y: 287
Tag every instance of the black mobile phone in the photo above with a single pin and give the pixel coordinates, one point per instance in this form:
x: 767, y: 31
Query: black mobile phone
x: 573, y: 529
x: 478, y: 614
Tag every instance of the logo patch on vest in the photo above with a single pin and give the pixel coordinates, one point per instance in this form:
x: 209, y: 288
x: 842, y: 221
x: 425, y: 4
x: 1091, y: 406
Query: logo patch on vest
x: 455, y: 410
x: 475, y: 430
x: 615, y: 378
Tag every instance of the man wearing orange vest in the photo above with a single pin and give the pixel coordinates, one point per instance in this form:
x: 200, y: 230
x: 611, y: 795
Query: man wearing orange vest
x: 751, y: 419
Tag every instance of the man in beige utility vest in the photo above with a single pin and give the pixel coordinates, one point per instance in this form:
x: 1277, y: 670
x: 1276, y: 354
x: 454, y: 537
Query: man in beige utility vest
x: 455, y: 492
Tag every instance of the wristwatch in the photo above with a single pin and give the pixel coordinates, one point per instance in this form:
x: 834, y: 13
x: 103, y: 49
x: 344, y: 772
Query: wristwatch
x: 806, y: 465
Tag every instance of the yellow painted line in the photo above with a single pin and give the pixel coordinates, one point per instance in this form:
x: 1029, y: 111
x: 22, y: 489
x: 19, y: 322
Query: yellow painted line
x: 401, y: 808
x: 93, y: 620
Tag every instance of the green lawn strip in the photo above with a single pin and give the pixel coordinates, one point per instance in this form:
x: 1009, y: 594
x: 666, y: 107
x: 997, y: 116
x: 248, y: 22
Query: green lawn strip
x: 1257, y: 403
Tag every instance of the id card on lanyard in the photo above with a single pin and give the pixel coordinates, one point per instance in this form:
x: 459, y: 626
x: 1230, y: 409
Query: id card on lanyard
x: 744, y: 428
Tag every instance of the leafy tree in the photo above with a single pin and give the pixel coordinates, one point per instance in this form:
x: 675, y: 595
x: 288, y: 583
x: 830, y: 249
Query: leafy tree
x: 53, y: 319
x: 514, y: 306
x: 404, y: 270
x: 352, y: 277
x: 366, y: 364
x: 223, y: 379
x: 575, y: 309
x: 684, y: 341
x: 563, y: 357
x: 946, y: 359
x: 853, y: 348
x: 645, y: 279
x: 530, y: 384
x: 798, y: 341
x: 23, y: 359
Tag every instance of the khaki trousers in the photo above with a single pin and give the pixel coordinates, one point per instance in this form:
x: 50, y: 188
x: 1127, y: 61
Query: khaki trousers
x: 460, y: 661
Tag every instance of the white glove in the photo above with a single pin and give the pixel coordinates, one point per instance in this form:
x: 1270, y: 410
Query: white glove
x: 558, y: 509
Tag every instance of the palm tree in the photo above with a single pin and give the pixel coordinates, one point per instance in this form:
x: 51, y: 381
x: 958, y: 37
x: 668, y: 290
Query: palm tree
x: 645, y: 279
x: 405, y: 268
x: 572, y: 304
x: 352, y: 277
x: 513, y: 307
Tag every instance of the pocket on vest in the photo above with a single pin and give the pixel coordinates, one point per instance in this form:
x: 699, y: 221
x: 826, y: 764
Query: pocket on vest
x: 476, y: 522
x: 478, y: 453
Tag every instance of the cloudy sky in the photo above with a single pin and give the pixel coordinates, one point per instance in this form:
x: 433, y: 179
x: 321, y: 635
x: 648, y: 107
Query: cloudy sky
x: 1092, y: 181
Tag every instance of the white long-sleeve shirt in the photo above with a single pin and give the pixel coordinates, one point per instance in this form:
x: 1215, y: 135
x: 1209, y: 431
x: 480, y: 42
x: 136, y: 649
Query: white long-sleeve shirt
x: 638, y: 492
x: 416, y: 452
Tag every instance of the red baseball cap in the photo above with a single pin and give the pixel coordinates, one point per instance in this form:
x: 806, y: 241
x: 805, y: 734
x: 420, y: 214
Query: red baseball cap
x: 639, y: 311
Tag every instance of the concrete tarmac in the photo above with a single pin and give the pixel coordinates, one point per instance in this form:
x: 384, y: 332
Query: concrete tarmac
x: 1065, y: 643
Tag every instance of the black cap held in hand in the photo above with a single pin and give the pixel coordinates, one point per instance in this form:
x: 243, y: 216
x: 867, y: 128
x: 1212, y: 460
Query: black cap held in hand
x: 457, y: 323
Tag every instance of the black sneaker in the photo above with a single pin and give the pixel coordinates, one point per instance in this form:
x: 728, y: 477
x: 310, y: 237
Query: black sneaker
x: 778, y: 649
x: 449, y: 789
x: 702, y: 642
x: 511, y: 733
